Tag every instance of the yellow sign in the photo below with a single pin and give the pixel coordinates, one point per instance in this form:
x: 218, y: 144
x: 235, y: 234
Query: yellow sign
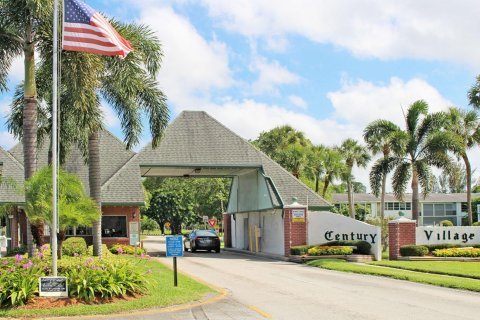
x: 167, y: 225
x: 298, y: 215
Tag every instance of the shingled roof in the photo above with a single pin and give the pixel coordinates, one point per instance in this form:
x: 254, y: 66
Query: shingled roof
x: 196, y: 139
x: 113, y: 159
x: 11, y: 169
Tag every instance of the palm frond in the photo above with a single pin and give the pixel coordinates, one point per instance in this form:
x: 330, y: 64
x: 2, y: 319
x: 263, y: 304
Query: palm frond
x: 400, y: 179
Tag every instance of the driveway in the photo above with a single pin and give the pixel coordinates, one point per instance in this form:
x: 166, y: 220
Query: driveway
x: 283, y: 290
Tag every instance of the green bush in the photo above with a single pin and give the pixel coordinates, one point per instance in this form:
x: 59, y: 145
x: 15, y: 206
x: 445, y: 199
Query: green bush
x: 18, y: 250
x: 19, y: 279
x: 74, y: 245
x: 362, y: 247
x: 105, y: 251
x: 300, y: 250
x: 329, y: 250
x: 457, y: 252
x: 476, y: 224
x: 149, y: 224
x: 413, y: 251
x: 446, y: 223
x: 102, y: 278
x: 126, y: 249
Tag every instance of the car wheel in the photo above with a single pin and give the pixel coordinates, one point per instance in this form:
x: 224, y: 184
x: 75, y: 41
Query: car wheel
x: 193, y: 249
x: 217, y: 250
x: 185, y: 249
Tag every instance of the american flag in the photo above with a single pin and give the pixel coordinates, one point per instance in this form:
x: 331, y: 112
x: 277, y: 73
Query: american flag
x: 86, y: 30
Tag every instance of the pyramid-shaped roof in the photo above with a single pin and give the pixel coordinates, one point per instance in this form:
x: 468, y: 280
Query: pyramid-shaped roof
x: 196, y: 140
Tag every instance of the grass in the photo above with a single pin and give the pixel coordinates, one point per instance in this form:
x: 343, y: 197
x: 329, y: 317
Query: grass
x: 427, y: 278
x: 162, y: 293
x: 452, y: 268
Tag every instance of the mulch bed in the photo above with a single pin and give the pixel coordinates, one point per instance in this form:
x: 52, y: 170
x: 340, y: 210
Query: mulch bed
x: 48, y: 303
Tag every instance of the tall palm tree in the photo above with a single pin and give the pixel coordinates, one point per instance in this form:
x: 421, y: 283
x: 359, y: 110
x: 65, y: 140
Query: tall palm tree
x: 21, y: 22
x: 334, y: 166
x: 354, y: 154
x: 465, y: 126
x: 379, y: 136
x: 315, y: 166
x: 422, y: 144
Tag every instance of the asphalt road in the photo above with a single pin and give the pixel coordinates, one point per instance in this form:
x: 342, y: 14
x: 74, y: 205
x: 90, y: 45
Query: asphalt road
x: 258, y: 288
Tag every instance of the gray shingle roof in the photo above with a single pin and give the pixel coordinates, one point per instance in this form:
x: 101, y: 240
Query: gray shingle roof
x: 195, y: 138
x: 113, y: 159
x: 11, y: 169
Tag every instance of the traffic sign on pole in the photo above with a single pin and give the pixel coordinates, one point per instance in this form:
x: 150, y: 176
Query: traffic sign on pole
x: 212, y: 222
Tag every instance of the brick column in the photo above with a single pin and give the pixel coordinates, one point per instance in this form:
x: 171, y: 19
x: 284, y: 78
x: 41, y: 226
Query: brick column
x: 14, y: 229
x: 401, y: 232
x: 22, y: 220
x: 227, y: 230
x: 294, y: 227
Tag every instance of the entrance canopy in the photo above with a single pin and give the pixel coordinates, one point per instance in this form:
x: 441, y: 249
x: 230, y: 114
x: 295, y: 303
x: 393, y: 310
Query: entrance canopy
x: 197, y: 145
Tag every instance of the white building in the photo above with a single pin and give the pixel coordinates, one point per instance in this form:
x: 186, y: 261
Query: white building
x: 433, y: 209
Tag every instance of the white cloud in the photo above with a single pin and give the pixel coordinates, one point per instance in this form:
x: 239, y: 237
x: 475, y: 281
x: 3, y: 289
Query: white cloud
x: 360, y: 102
x: 17, y: 70
x: 433, y: 30
x: 271, y: 75
x: 6, y: 140
x: 192, y: 66
x: 4, y: 107
x: 109, y: 117
x: 297, y: 101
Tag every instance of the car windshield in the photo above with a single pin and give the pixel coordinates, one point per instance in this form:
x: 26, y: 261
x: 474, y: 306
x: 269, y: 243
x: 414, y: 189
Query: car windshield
x: 206, y: 233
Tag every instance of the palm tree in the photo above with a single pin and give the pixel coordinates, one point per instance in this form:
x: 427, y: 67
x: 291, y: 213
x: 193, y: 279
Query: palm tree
x: 315, y: 165
x: 379, y: 136
x: 20, y: 26
x: 465, y: 126
x: 354, y: 154
x: 334, y: 167
x: 420, y: 146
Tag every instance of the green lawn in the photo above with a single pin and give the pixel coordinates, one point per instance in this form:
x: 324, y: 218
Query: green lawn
x: 428, y: 278
x: 162, y: 293
x: 453, y: 268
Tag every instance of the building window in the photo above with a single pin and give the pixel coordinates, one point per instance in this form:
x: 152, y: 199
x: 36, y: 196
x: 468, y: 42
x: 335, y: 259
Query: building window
x: 398, y: 206
x: 433, y: 214
x: 114, y: 226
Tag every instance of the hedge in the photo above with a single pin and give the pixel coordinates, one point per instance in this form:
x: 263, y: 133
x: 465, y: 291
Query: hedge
x: 456, y: 252
x: 329, y: 250
x: 74, y: 245
x: 126, y: 249
x: 362, y: 247
x: 300, y: 250
x: 413, y: 251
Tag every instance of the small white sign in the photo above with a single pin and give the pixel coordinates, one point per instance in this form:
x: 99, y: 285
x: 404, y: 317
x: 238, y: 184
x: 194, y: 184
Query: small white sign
x: 298, y: 215
x: 205, y: 219
x: 53, y: 287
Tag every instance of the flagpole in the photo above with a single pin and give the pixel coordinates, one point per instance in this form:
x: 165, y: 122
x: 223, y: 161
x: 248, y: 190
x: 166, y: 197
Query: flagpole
x: 53, y: 232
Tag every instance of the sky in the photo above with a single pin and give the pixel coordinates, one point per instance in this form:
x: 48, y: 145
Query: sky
x: 327, y: 68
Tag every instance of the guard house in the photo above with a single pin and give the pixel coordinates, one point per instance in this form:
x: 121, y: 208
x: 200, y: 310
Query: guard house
x: 261, y: 213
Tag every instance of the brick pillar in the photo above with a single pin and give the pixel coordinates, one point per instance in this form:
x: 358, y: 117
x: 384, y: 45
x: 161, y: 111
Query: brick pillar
x: 294, y: 226
x: 227, y: 230
x: 22, y: 219
x: 401, y: 232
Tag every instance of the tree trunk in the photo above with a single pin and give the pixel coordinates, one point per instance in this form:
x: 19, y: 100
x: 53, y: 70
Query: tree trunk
x: 469, y: 188
x: 61, y: 238
x: 382, y: 212
x: 326, y: 183
x: 162, y: 227
x: 317, y: 182
x: 95, y: 188
x: 415, y: 199
x: 29, y: 119
x: 351, y: 207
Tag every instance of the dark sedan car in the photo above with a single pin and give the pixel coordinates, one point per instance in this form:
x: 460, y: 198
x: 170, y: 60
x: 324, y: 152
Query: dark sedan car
x: 202, y: 240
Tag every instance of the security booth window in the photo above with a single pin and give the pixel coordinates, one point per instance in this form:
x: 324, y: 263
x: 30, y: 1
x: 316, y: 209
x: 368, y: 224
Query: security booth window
x: 114, y: 226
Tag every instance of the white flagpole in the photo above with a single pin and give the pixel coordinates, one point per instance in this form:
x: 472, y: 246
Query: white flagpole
x: 53, y: 232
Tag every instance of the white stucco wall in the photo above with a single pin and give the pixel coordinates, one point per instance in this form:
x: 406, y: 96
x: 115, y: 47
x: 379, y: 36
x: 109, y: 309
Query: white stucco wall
x: 454, y: 235
x: 324, y: 226
x: 272, y: 232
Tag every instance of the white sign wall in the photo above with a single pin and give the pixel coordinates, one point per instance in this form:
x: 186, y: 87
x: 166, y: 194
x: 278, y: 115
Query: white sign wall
x: 324, y: 226
x: 454, y: 235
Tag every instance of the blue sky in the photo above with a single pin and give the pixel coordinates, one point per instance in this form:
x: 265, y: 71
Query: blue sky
x: 327, y: 68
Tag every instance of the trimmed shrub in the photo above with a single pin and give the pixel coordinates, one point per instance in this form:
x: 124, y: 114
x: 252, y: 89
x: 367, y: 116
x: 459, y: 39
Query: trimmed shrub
x: 105, y: 251
x: 362, y: 247
x: 73, y: 246
x: 300, y: 250
x: 413, y: 251
x: 446, y: 223
x: 329, y: 250
x: 457, y: 252
x: 126, y: 249
x: 476, y: 224
x: 18, y: 250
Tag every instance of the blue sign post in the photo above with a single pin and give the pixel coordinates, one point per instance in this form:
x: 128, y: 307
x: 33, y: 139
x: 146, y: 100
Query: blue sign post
x: 174, y: 246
